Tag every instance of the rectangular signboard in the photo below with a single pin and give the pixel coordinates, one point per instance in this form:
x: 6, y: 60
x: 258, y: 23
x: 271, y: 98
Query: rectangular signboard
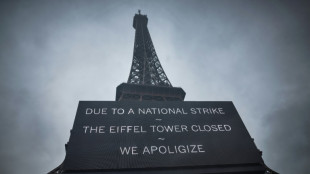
x: 150, y: 134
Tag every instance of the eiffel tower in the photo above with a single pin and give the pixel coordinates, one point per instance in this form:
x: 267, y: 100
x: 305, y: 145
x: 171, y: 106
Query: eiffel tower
x: 147, y: 81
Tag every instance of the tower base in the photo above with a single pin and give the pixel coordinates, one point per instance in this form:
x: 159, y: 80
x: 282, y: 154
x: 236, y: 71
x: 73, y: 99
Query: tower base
x: 128, y: 91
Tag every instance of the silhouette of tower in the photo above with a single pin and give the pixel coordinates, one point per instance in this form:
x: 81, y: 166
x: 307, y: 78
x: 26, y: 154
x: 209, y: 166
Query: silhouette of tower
x: 147, y: 79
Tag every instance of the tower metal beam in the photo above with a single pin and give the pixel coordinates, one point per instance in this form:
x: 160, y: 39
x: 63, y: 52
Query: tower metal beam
x: 146, y: 68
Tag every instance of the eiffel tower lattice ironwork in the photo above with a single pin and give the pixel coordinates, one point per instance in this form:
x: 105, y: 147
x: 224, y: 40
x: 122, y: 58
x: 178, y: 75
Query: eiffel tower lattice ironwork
x: 146, y: 68
x: 147, y: 79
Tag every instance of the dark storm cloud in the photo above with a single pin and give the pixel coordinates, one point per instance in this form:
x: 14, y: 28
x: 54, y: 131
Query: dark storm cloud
x: 55, y: 53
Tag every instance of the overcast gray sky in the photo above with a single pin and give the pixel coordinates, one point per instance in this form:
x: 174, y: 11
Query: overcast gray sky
x: 55, y: 53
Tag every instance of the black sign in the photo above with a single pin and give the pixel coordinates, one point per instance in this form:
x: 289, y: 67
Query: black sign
x: 122, y: 135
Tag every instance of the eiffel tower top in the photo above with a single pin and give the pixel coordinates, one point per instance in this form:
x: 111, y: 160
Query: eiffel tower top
x: 146, y: 68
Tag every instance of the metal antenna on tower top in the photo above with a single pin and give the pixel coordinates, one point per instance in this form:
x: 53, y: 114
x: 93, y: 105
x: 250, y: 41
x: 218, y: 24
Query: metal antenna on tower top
x: 139, y: 11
